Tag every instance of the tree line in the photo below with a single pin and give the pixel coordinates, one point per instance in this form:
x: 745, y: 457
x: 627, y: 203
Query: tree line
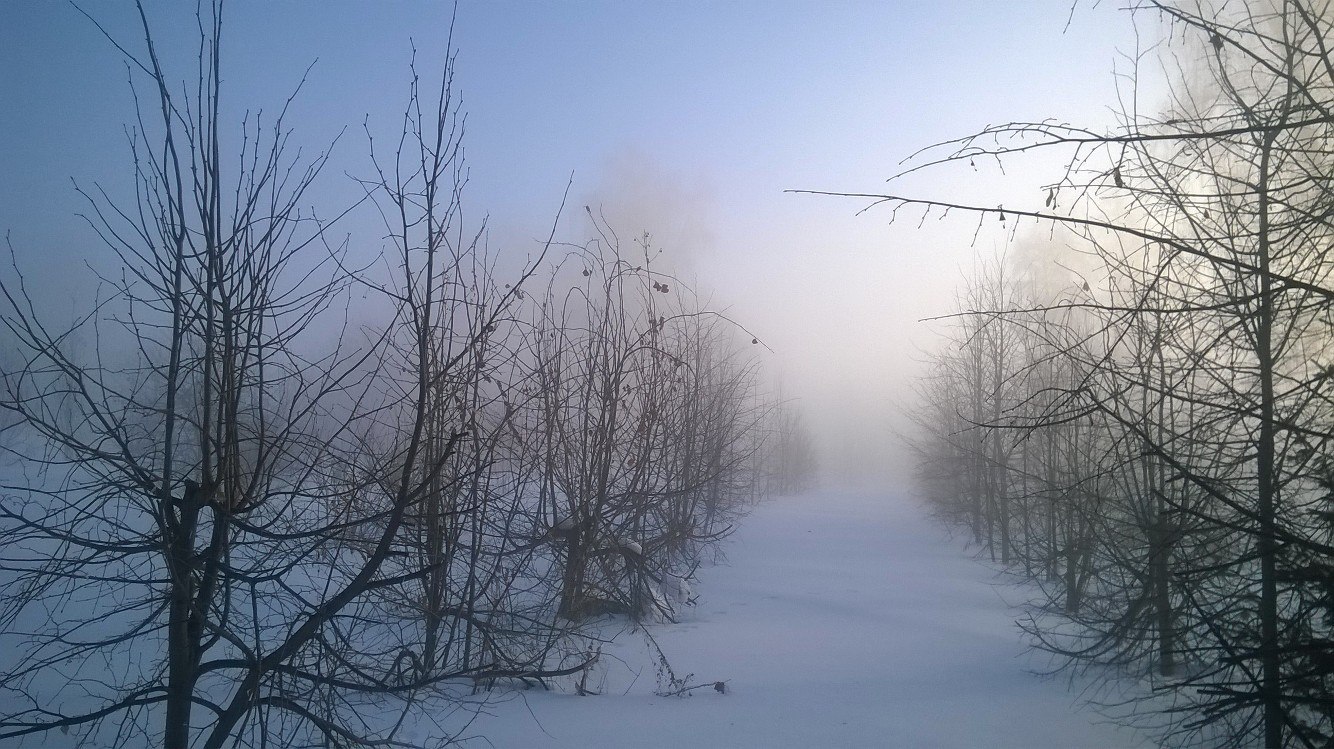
x: 261, y: 495
x: 1150, y: 440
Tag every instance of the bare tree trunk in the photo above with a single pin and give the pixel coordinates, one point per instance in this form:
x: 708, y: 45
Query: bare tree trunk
x: 1270, y: 658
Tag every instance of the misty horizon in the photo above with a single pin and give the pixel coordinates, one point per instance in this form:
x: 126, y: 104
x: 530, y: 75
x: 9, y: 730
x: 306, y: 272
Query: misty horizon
x: 625, y: 374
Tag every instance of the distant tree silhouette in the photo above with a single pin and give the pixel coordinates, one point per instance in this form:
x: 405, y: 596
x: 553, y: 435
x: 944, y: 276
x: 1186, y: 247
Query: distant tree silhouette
x: 1187, y: 385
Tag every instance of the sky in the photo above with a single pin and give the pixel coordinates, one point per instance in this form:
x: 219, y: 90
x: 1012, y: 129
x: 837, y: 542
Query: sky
x: 687, y: 120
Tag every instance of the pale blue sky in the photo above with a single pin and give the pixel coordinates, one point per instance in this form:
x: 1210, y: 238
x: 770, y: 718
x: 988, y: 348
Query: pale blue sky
x: 685, y: 119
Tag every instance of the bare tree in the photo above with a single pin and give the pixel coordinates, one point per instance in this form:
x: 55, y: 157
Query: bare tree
x: 793, y: 453
x: 638, y: 419
x: 213, y: 511
x: 1203, y: 376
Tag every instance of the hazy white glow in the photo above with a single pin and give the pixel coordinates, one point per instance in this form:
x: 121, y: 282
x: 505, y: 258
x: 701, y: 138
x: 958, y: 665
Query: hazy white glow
x: 687, y: 122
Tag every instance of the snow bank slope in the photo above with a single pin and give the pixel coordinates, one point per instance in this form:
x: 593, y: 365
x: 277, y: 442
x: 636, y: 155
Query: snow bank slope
x: 840, y: 620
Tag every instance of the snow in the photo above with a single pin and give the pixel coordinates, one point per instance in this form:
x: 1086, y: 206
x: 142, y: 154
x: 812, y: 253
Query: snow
x: 839, y: 619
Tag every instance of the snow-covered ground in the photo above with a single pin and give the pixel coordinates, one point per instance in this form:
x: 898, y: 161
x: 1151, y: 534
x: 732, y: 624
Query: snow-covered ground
x: 838, y: 620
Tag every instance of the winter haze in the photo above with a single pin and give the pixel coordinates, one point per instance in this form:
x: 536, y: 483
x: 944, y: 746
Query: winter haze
x: 687, y: 121
x: 630, y: 374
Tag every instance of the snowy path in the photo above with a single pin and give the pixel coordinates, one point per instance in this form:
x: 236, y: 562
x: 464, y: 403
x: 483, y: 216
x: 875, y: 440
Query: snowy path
x: 839, y: 621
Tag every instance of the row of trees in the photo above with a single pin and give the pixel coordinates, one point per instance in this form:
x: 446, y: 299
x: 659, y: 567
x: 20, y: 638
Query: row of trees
x: 1152, y: 443
x: 239, y: 514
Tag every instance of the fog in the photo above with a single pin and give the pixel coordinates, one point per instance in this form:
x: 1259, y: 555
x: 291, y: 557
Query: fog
x: 687, y: 122
x: 496, y: 487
